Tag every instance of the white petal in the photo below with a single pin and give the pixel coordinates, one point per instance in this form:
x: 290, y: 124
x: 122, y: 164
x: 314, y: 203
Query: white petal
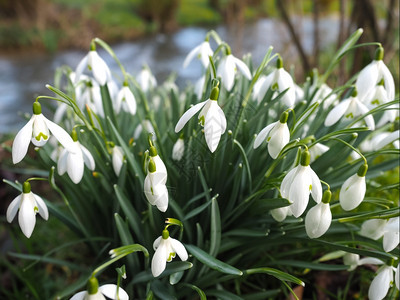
x: 352, y: 192
x: 280, y: 136
x: 285, y: 81
x: 397, y: 277
x: 43, y: 211
x: 300, y: 191
x: 81, y: 68
x: 160, y: 176
x: 26, y: 215
x: 287, y: 182
x: 226, y: 70
x: 100, y: 70
x: 62, y: 162
x: 88, y: 158
x: 370, y: 261
x: 390, y: 240
x: 162, y: 197
x: 13, y: 208
x: 222, y: 118
x: 157, y: 242
x: 117, y: 159
x: 373, y: 229
x: 380, y: 284
x: 387, y: 139
x: 388, y: 79
x: 263, y: 135
x: 213, y: 126
x: 369, y: 120
x: 261, y: 87
x: 61, y: 135
x: 130, y: 101
x: 318, y: 220
x: 280, y: 214
x: 79, y: 296
x: 179, y: 249
x: 110, y: 291
x: 392, y: 225
x: 188, y: 114
x: 317, y: 150
x: 337, y: 112
x: 21, y: 141
x: 367, y: 79
x: 192, y: 54
x: 316, y: 191
x: 242, y: 67
x: 205, y: 53
x: 158, y: 263
x: 75, y: 166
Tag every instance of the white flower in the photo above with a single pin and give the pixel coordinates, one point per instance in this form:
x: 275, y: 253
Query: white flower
x: 202, y: 51
x: 199, y: 86
x: 391, y: 237
x: 318, y: 220
x: 376, y: 97
x: 126, y: 100
x: 325, y: 94
x: 280, y: 214
x: 373, y: 229
x: 381, y: 283
x: 93, y: 62
x: 37, y: 130
x: 390, y: 115
x: 227, y: 70
x: 95, y: 292
x: 178, y: 149
x: 350, y: 108
x: 146, y: 80
x: 277, y: 135
x: 166, y: 249
x: 379, y: 141
x: 372, y: 74
x: 353, y: 261
x: 117, y: 159
x: 353, y: 190
x: 28, y: 204
x: 299, y: 183
x: 73, y: 163
x: 211, y: 117
x: 317, y: 150
x: 397, y: 276
x: 279, y: 80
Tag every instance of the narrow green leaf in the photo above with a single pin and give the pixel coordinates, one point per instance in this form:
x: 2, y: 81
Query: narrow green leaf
x: 215, y: 239
x: 173, y: 267
x: 161, y: 291
x: 223, y: 295
x: 202, y: 295
x: 310, y: 265
x: 276, y: 273
x: 212, y: 262
x: 262, y: 295
x: 246, y: 163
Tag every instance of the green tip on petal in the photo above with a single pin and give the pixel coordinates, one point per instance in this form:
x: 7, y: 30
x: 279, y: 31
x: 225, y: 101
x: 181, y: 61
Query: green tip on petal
x: 379, y: 53
x: 382, y: 82
x: 354, y: 92
x: 305, y: 158
x: 279, y: 63
x: 165, y: 234
x: 214, y: 94
x: 26, y: 187
x: 74, y: 135
x: 326, y: 198
x: 362, y: 171
x: 284, y: 117
x: 153, y: 151
x: 37, y: 108
x: 152, y: 166
x: 92, y: 286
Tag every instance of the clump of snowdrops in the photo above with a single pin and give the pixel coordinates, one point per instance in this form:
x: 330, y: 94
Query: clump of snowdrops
x: 238, y: 187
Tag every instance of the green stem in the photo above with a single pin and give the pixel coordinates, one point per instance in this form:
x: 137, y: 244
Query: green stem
x: 353, y: 148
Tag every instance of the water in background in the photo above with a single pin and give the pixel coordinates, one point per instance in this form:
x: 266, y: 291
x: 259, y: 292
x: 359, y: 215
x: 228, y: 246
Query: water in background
x: 23, y: 77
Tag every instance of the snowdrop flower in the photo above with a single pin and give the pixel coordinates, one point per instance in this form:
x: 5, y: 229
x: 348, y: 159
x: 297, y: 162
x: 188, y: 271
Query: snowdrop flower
x: 202, y: 51
x: 353, y: 189
x: 28, y: 204
x: 146, y: 80
x: 372, y: 74
x: 380, y: 140
x: 155, y: 189
x: 227, y: 69
x: 373, y: 229
x: 325, y: 94
x: 279, y: 80
x: 166, y: 249
x: 277, y: 135
x: 390, y: 115
x: 319, y: 218
x: 94, y: 292
x: 316, y: 151
x: 126, y: 100
x: 299, y: 183
x: 117, y: 159
x: 94, y: 63
x: 353, y: 261
x: 391, y: 237
x: 73, y: 163
x: 376, y: 97
x: 280, y: 214
x: 178, y: 149
x: 199, y: 86
x: 211, y: 117
x: 37, y: 130
x: 381, y: 283
x: 350, y: 108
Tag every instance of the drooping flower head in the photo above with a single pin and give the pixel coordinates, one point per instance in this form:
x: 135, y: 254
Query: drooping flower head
x: 319, y: 218
x: 299, y: 183
x: 117, y: 158
x: 353, y: 189
x: 28, y: 204
x: 94, y: 292
x: 202, y: 51
x: 211, y: 117
x: 38, y: 131
x: 166, y: 249
x: 125, y: 100
x: 179, y: 149
x: 276, y: 134
x: 146, y: 80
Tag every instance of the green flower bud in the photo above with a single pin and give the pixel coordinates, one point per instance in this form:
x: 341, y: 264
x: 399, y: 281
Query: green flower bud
x: 214, y: 94
x: 26, y: 187
x: 354, y: 92
x: 165, y: 234
x: 379, y: 53
x: 37, y: 108
x: 74, y: 135
x: 362, y: 171
x: 305, y: 158
x: 326, y: 198
x: 153, y: 151
x: 284, y: 117
x: 92, y: 286
x: 279, y: 63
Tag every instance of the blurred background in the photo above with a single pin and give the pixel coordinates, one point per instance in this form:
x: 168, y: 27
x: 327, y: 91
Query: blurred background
x: 37, y: 36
